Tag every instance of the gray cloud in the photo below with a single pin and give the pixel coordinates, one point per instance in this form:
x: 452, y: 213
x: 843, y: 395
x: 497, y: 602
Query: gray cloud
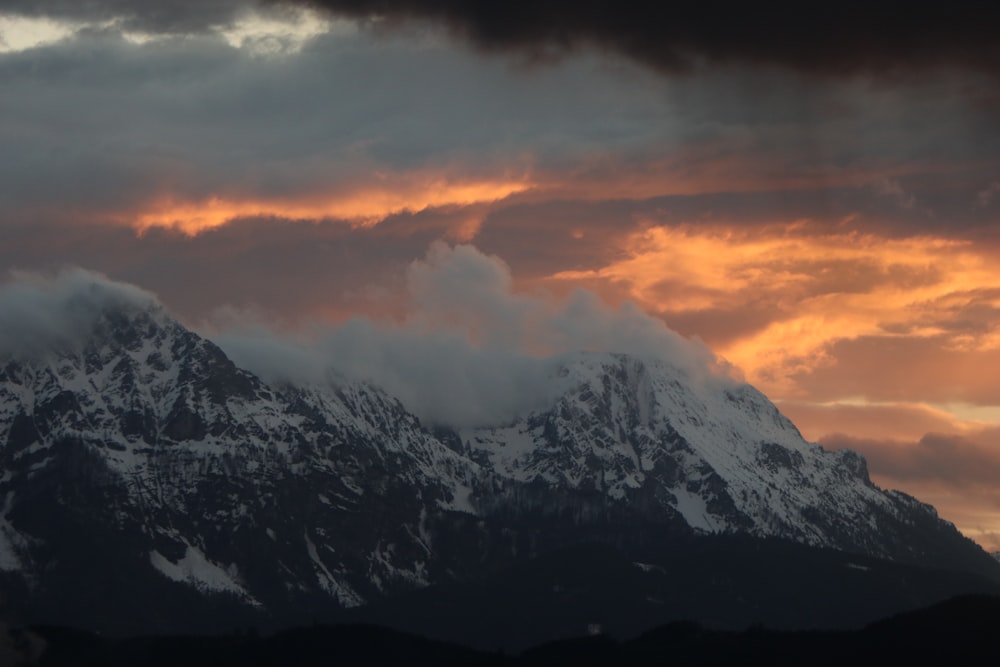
x: 101, y: 126
x: 470, y: 351
x: 38, y: 313
x: 954, y: 460
x: 441, y: 377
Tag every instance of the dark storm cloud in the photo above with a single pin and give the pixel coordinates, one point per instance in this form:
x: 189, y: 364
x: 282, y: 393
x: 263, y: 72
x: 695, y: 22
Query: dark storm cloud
x: 671, y: 37
x: 94, y: 122
x: 103, y: 126
x: 832, y: 38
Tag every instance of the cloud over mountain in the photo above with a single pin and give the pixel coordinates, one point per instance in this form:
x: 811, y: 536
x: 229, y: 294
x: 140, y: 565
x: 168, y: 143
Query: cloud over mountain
x: 37, y: 312
x: 470, y: 350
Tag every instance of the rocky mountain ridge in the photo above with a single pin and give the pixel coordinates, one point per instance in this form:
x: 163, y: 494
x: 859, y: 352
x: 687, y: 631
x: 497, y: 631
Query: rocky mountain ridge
x: 140, y: 452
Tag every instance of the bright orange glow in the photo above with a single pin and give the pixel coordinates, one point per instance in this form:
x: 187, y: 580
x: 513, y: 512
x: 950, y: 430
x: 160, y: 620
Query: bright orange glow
x: 362, y: 206
x: 818, y: 287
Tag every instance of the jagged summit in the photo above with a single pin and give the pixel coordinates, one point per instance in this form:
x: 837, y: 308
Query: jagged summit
x: 145, y: 448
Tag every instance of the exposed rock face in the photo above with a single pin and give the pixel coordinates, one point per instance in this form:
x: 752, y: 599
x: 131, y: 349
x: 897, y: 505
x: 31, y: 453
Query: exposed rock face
x: 142, y: 462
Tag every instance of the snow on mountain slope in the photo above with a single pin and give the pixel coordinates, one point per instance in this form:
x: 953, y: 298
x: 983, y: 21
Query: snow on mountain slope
x: 143, y: 447
x: 723, y: 455
x: 199, y: 449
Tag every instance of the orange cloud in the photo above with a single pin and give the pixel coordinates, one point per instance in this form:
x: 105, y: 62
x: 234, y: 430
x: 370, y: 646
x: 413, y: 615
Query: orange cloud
x: 907, y: 366
x: 817, y: 285
x: 363, y: 206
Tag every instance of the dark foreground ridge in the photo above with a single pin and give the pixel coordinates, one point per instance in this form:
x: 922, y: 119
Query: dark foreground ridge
x: 725, y: 582
x: 960, y: 631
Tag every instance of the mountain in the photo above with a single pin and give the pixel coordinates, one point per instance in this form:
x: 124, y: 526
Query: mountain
x: 140, y: 463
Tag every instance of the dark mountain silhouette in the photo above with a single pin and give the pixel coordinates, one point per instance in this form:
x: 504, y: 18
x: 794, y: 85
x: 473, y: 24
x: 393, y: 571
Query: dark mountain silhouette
x: 960, y: 631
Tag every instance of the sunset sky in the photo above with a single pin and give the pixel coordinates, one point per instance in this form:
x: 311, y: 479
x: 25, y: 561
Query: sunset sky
x: 815, y: 196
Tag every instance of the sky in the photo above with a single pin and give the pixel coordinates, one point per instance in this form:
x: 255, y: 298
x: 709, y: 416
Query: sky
x: 812, y: 196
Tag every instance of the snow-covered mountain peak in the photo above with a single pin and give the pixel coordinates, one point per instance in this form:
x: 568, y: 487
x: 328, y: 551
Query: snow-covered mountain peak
x: 643, y: 391
x: 147, y: 440
x: 719, y: 455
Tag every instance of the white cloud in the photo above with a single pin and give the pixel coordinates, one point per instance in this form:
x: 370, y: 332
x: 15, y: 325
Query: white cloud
x: 276, y: 33
x: 20, y: 33
x: 40, y: 312
x: 471, y: 350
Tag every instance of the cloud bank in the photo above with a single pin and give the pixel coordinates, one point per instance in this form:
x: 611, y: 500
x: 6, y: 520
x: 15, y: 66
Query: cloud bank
x: 190, y: 130
x: 842, y: 38
x: 469, y: 351
x: 845, y: 38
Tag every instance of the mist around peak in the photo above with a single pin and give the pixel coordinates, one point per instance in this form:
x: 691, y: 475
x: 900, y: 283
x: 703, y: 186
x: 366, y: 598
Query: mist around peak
x: 470, y: 351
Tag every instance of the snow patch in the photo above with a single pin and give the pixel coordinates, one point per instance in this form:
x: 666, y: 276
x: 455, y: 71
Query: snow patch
x: 692, y: 507
x: 461, y: 500
x: 648, y: 567
x: 344, y: 594
x: 10, y: 540
x: 196, y: 570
